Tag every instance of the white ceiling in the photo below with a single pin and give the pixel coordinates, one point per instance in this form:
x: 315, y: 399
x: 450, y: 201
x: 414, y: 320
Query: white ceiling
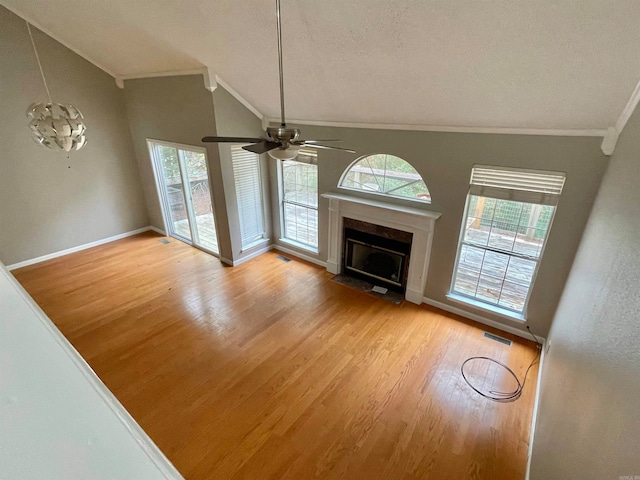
x: 529, y: 64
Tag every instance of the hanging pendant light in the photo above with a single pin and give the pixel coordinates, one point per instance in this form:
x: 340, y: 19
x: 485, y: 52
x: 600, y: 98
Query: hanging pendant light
x: 54, y: 125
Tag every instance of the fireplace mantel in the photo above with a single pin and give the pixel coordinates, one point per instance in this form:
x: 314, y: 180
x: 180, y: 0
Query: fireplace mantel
x: 420, y: 223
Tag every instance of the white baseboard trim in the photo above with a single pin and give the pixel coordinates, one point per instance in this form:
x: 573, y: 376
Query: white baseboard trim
x: 140, y: 436
x: 157, y: 230
x: 79, y: 248
x: 235, y: 263
x: 479, y: 318
x: 293, y: 253
x: 534, y: 417
x: 226, y: 261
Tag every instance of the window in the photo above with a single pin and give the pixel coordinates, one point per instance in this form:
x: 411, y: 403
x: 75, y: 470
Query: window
x: 248, y: 181
x: 300, y: 199
x: 504, y: 230
x: 384, y: 174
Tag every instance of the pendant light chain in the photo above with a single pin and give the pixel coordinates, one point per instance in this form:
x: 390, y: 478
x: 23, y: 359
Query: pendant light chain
x: 46, y: 87
x: 54, y: 125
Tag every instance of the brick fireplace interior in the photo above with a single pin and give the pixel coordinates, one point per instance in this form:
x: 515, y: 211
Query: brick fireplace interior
x: 376, y: 254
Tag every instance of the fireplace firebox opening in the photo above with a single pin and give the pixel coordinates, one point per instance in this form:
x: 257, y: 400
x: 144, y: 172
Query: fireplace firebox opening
x: 377, y: 254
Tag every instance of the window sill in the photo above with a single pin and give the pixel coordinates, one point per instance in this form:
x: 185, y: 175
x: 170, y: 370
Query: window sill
x: 502, y: 312
x: 257, y: 243
x: 301, y: 246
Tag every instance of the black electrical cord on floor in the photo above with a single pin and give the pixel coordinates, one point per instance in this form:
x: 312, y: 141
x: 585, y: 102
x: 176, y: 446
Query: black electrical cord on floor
x: 504, y: 397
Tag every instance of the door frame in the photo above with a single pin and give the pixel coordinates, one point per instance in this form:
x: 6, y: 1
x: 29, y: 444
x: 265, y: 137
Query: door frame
x: 162, y: 198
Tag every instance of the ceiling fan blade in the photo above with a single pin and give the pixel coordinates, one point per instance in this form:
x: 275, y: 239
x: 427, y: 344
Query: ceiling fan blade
x: 326, y: 147
x: 316, y: 141
x: 262, y: 147
x: 232, y: 140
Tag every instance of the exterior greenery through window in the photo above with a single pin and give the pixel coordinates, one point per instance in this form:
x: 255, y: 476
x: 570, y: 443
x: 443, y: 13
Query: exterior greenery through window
x: 502, y: 239
x: 384, y: 174
x: 300, y: 199
x: 183, y: 185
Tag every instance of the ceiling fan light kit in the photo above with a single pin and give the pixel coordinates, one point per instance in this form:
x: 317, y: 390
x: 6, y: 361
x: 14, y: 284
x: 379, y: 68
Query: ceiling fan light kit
x: 285, y: 154
x: 54, y: 125
x: 282, y: 143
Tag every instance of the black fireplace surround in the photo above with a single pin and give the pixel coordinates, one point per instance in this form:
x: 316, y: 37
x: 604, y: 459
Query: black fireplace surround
x: 377, y: 254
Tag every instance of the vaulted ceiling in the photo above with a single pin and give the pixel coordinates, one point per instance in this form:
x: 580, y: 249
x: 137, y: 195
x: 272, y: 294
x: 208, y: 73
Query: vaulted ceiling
x: 530, y: 64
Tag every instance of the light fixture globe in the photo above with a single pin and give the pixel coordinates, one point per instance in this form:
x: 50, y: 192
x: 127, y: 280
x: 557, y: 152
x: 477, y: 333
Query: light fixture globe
x: 284, y: 154
x: 57, y: 126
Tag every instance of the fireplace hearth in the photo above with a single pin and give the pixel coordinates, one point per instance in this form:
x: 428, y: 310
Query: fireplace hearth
x: 414, y: 222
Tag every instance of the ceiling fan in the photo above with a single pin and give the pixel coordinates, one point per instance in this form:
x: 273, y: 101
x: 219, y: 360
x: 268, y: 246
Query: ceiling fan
x: 282, y: 142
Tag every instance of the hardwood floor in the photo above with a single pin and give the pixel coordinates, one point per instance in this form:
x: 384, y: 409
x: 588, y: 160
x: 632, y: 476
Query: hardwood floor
x: 270, y: 370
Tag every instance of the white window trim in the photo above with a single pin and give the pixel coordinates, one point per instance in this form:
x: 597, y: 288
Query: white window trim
x: 281, y: 202
x: 496, y: 309
x: 301, y: 246
x: 264, y: 237
x: 380, y: 194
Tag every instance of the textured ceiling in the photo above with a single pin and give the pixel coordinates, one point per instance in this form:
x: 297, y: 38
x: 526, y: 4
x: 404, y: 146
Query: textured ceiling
x: 530, y: 64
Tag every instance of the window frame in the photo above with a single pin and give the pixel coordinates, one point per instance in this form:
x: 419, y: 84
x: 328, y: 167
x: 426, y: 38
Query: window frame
x: 165, y: 208
x: 500, y: 310
x: 283, y: 201
x: 383, y: 194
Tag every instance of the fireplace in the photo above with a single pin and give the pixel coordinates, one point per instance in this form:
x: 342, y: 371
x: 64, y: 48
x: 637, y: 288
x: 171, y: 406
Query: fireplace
x: 417, y: 223
x: 376, y: 253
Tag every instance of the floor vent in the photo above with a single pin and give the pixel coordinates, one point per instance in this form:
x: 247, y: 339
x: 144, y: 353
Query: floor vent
x: 496, y: 338
x: 164, y: 240
x: 284, y: 259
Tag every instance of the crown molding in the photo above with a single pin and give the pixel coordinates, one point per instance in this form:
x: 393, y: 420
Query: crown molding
x: 209, y: 84
x: 49, y: 33
x: 613, y: 133
x: 628, y: 109
x: 240, y: 98
x: 609, y: 135
x: 609, y: 141
x: 595, y: 132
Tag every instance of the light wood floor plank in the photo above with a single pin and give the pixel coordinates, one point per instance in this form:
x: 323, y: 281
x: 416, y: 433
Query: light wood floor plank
x: 270, y: 370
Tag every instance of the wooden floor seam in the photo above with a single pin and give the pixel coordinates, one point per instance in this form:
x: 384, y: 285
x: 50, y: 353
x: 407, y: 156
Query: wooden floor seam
x: 269, y: 370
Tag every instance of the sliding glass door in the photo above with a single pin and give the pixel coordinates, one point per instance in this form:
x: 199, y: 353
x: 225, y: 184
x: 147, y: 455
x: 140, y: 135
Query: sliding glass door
x: 183, y: 186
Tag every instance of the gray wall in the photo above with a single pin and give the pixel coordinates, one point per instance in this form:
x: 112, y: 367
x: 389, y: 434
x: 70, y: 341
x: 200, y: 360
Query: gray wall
x: 444, y: 160
x: 51, y: 201
x: 235, y: 120
x: 588, y: 424
x: 175, y: 109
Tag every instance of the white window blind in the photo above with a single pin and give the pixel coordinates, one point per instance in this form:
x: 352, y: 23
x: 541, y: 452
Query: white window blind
x: 248, y: 182
x: 517, y: 184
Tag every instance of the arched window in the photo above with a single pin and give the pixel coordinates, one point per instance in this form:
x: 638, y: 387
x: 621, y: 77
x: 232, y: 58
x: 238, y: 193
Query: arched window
x: 384, y: 174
